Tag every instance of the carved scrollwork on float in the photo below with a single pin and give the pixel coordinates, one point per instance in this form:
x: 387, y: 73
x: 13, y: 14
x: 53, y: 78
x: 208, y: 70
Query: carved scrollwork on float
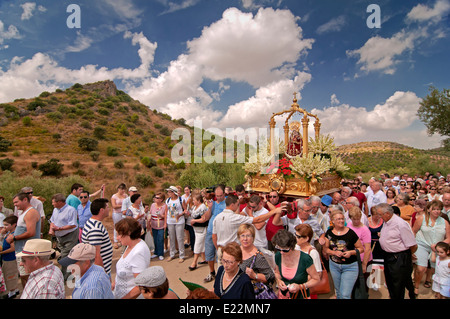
x: 277, y: 183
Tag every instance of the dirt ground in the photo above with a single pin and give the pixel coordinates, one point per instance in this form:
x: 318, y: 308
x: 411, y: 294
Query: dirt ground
x: 175, y: 270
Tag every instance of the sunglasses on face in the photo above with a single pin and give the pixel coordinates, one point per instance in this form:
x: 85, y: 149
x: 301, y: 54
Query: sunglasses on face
x: 83, y: 197
x: 271, y: 196
x: 282, y: 250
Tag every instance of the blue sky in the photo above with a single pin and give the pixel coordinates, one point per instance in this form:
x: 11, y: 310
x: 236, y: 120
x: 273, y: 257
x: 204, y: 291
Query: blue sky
x: 231, y: 64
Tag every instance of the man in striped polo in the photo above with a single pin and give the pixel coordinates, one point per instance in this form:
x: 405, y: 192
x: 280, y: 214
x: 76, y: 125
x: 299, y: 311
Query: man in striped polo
x: 95, y: 234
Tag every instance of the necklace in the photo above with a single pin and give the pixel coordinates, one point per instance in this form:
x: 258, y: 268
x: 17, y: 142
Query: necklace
x: 226, y: 275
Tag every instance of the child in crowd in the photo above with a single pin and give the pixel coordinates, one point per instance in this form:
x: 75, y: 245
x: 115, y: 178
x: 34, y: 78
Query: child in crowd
x: 441, y: 277
x: 8, y: 256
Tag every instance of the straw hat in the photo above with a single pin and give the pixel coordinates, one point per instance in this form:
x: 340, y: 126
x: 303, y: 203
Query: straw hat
x: 37, y: 247
x: 172, y: 189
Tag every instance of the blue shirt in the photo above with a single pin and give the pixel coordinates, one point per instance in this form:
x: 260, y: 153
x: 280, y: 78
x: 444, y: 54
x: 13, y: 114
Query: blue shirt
x: 84, y: 213
x: 67, y: 215
x: 9, y: 256
x: 94, y: 284
x: 216, y: 210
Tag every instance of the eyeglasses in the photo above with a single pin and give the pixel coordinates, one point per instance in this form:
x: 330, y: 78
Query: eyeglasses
x: 283, y: 250
x: 246, y: 236
x: 252, y: 207
x: 157, y: 197
x: 83, y: 197
x: 271, y: 196
x: 402, y: 184
x: 299, y: 236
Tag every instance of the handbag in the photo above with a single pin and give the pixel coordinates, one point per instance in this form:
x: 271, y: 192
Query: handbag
x: 262, y: 291
x: 323, y: 287
x: 359, y: 289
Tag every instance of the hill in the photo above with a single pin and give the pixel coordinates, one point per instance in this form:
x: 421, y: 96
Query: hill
x: 96, y: 131
x: 380, y: 157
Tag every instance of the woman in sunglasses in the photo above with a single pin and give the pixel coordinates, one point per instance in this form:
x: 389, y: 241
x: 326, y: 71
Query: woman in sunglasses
x: 292, y: 267
x: 158, y: 223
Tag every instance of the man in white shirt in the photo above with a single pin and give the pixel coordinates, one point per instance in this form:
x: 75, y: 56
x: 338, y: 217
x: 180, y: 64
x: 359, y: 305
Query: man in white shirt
x: 35, y: 203
x: 227, y: 222
x: 255, y: 208
x: 377, y: 196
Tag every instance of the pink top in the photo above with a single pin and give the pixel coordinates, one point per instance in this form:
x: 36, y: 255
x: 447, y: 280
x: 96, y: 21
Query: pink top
x: 396, y: 235
x: 364, y: 235
x: 158, y: 214
x: 288, y: 273
x: 118, y: 202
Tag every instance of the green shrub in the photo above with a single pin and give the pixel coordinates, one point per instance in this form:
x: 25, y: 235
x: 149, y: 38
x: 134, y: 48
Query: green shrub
x: 6, y: 164
x: 94, y: 155
x: 51, y: 168
x: 180, y: 165
x: 144, y: 180
x: 26, y: 121
x: 86, y: 124
x: 4, y: 144
x: 158, y: 172
x: 165, y: 131
x: 119, y: 164
x: 32, y: 106
x: 122, y: 129
x: 99, y: 132
x: 76, y: 164
x: 103, y: 111
x: 148, y: 162
x: 44, y: 94
x: 55, y: 116
x: 138, y: 131
x: 87, y: 144
x: 112, y: 151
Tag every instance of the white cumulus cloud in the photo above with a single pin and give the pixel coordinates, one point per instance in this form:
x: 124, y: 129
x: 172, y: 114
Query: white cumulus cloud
x: 421, y: 12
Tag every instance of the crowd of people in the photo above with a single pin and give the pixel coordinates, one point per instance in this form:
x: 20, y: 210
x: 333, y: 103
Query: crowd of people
x: 261, y: 246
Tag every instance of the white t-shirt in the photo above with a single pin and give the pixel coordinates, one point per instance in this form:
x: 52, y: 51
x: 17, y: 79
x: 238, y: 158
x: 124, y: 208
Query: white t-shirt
x: 135, y: 262
x: 260, y: 234
x: 174, y: 208
x: 374, y: 199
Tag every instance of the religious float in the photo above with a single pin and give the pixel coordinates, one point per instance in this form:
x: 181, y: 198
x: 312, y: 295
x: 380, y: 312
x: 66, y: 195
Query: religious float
x: 294, y: 165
